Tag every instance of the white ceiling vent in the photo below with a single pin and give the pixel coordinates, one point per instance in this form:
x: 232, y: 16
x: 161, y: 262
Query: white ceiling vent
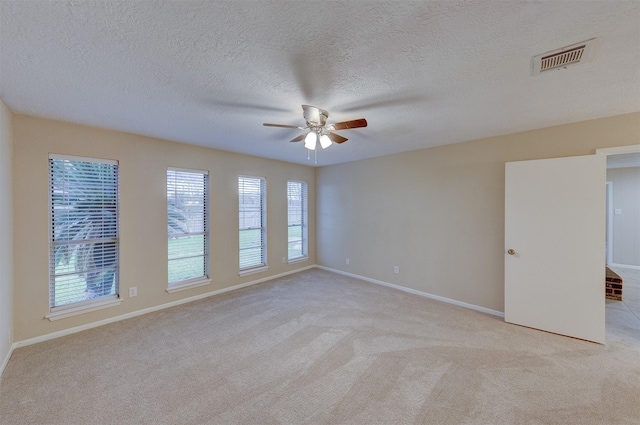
x: 563, y: 57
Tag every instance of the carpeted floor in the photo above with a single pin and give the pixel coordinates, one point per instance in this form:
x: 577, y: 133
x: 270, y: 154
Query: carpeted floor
x: 320, y: 348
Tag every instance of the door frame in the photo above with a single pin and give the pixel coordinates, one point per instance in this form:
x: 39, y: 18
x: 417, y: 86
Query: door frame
x: 609, y: 253
x: 618, y: 150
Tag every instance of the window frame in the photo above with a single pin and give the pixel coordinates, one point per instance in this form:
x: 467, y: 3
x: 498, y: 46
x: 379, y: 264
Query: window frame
x: 204, y: 279
x: 263, y: 265
x: 103, y: 301
x: 304, y: 221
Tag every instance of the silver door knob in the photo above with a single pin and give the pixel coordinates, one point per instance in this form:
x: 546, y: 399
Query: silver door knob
x: 511, y: 252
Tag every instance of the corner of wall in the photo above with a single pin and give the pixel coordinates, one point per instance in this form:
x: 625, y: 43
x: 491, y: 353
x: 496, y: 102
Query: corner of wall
x: 6, y: 230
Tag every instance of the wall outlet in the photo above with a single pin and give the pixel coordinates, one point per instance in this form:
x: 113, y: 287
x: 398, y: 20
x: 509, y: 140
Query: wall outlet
x: 284, y: 260
x: 133, y: 291
x: 396, y: 269
x: 348, y: 262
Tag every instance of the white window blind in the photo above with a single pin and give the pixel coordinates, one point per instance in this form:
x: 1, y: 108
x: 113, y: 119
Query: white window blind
x: 252, y: 213
x: 297, y: 219
x: 187, y: 211
x: 83, y: 261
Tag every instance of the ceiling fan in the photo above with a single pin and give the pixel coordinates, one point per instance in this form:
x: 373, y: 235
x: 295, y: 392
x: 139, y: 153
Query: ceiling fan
x: 319, y: 131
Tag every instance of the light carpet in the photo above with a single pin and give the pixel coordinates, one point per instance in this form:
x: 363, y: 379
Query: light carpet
x: 320, y: 348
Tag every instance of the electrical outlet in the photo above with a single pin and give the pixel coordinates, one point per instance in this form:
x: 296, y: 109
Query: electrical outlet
x: 348, y: 262
x: 133, y: 291
x: 284, y: 260
x: 396, y: 269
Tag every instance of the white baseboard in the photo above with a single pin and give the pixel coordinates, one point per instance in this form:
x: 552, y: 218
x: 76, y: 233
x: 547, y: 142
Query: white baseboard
x: 136, y: 313
x: 416, y: 292
x: 624, y: 266
x: 91, y: 325
x: 6, y: 359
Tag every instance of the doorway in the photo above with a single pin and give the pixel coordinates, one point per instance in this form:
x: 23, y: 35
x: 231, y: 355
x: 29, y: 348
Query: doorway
x: 622, y: 316
x: 554, y: 244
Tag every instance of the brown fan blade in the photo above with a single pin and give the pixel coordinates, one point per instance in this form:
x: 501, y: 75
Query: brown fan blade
x: 349, y: 124
x: 266, y: 124
x: 336, y: 138
x: 300, y: 138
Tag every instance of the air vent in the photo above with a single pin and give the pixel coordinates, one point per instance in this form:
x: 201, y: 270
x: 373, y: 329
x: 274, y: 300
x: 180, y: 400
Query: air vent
x: 559, y: 60
x: 563, y: 57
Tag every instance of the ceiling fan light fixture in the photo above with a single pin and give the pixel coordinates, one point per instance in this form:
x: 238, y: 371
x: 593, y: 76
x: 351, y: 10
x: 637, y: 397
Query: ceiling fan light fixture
x: 319, y: 132
x: 311, y: 140
x: 325, y: 141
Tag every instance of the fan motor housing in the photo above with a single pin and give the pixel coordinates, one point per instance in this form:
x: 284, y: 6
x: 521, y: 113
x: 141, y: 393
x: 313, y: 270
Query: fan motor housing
x: 315, y: 117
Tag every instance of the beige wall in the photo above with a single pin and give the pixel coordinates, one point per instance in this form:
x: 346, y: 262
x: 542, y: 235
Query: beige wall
x: 438, y: 213
x: 626, y: 226
x: 6, y: 232
x: 143, y: 245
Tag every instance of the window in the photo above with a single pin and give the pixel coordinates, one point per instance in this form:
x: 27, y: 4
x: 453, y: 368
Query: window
x: 83, y: 262
x: 297, y: 220
x: 252, y: 213
x: 187, y: 226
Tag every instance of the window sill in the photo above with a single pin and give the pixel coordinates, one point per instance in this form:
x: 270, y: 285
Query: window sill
x: 298, y: 260
x: 181, y: 286
x: 253, y: 270
x: 86, y: 308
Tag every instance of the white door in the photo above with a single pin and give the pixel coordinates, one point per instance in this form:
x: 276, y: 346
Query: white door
x: 555, y: 225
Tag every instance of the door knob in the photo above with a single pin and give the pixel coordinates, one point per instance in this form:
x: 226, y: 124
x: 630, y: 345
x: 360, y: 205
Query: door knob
x: 511, y: 252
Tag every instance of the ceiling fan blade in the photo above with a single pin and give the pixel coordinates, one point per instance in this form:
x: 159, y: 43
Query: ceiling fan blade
x: 266, y: 124
x: 349, y: 124
x: 337, y: 138
x: 300, y: 138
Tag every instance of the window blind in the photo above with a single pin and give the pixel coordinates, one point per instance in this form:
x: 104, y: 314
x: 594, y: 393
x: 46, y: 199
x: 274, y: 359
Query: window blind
x: 252, y: 214
x: 187, y: 211
x: 83, y: 262
x: 297, y: 219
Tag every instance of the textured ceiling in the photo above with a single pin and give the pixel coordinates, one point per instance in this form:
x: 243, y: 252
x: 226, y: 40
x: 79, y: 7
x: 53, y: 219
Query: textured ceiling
x: 423, y: 73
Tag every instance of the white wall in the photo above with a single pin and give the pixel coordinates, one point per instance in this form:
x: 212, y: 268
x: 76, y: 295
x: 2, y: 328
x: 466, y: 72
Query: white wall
x: 6, y: 233
x: 438, y: 213
x: 626, y: 225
